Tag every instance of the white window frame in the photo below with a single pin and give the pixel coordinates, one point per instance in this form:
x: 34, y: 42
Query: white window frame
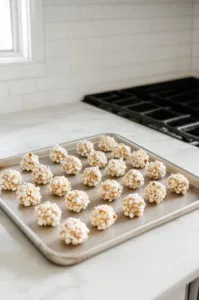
x: 27, y: 32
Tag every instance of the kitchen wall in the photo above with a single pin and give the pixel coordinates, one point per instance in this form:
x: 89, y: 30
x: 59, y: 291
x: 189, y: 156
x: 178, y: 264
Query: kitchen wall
x: 195, y: 58
x: 96, y: 45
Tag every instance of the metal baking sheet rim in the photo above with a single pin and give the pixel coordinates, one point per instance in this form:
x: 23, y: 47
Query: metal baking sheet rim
x: 62, y: 259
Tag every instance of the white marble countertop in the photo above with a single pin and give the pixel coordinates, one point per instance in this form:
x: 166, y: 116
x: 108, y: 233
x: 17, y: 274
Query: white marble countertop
x: 145, y: 267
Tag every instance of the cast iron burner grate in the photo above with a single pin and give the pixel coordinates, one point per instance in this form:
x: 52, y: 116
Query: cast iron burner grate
x: 171, y: 107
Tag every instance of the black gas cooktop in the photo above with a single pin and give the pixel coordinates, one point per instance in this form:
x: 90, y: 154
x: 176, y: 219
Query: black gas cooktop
x: 171, y: 107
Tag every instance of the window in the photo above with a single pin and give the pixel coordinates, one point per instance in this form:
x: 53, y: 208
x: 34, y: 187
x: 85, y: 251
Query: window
x: 21, y: 31
x: 6, y: 43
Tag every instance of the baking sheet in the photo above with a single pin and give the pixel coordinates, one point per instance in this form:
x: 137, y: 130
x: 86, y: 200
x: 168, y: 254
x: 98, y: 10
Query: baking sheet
x: 46, y: 239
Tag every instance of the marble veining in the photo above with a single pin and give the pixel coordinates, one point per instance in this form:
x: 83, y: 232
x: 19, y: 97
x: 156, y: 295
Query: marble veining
x: 148, y: 266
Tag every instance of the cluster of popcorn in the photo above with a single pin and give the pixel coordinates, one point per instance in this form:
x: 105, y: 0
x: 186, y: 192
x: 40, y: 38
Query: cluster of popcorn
x: 48, y: 214
x: 107, y: 143
x: 139, y: 159
x: 116, y: 167
x: 59, y: 185
x: 28, y: 194
x: 110, y: 190
x: 156, y: 169
x: 57, y: 154
x: 133, y: 205
x: 10, y: 180
x: 76, y: 200
x: 74, y: 231
x: 103, y: 216
x: 155, y: 192
x: 178, y: 183
x: 97, y: 158
x: 41, y: 174
x: 29, y: 161
x: 133, y: 179
x: 121, y: 151
x: 91, y: 176
x: 84, y: 148
x: 71, y: 165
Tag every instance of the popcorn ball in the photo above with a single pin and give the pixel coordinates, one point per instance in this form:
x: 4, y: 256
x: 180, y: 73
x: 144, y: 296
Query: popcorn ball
x: 133, y: 179
x: 103, y: 216
x: 110, y: 190
x: 133, y: 205
x: 155, y: 192
x: 107, y: 143
x: 156, y: 169
x: 42, y: 174
x: 139, y: 159
x: 178, y: 183
x: 97, y: 158
x: 74, y: 231
x: 91, y: 176
x: 29, y: 161
x: 116, y: 167
x: 48, y: 214
x: 71, y: 165
x: 28, y: 194
x: 59, y: 185
x: 57, y: 154
x: 76, y: 200
x: 10, y: 180
x: 84, y: 148
x: 121, y: 151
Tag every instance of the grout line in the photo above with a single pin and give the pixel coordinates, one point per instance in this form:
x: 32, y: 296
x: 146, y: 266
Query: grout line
x: 133, y: 18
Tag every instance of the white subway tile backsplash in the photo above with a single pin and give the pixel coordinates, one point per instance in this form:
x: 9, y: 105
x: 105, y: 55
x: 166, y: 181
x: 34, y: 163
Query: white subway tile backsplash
x: 4, y: 89
x: 120, y: 27
x: 11, y: 103
x: 9, y: 72
x: 20, y: 87
x: 196, y: 22
x: 196, y: 50
x: 85, y: 29
x: 136, y: 56
x: 46, y: 83
x: 107, y: 11
x: 92, y: 11
x: 56, y: 31
x: 195, y: 46
x: 140, y: 11
x: 57, y: 66
x: 61, y: 13
x: 55, y: 2
x: 157, y: 39
x: 97, y: 45
x: 196, y: 8
x: 146, y: 70
x: 195, y: 66
x: 76, y: 47
x: 53, y: 83
x: 47, y: 98
x: 33, y: 70
x: 178, y: 23
x: 195, y: 36
x: 38, y: 99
